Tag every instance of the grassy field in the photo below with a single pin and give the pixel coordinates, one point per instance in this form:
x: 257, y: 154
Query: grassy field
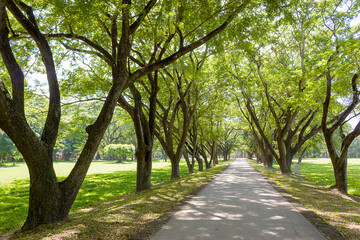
x: 321, y: 172
x: 311, y: 188
x: 124, y: 216
x: 20, y: 171
x: 105, y: 180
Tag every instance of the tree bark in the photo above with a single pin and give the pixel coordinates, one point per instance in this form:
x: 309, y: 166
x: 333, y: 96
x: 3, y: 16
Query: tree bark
x: 340, y: 173
x: 144, y: 167
x: 200, y: 163
x: 204, y: 156
x: 175, y: 169
x: 144, y: 130
x: 49, y: 200
x: 189, y: 164
x: 269, y: 159
x: 339, y: 160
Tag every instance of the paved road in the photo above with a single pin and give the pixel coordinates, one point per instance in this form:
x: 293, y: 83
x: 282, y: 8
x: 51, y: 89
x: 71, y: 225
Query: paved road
x: 238, y: 204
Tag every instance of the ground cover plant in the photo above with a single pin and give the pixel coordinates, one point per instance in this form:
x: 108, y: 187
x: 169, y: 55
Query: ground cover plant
x: 311, y: 188
x: 106, y: 179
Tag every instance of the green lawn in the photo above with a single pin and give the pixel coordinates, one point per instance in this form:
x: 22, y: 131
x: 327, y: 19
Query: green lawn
x: 321, y: 171
x: 105, y: 180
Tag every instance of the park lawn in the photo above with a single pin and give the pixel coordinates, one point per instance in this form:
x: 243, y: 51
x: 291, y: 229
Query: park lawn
x: 105, y: 179
x: 125, y: 215
x: 20, y: 171
x: 321, y: 171
x: 311, y: 188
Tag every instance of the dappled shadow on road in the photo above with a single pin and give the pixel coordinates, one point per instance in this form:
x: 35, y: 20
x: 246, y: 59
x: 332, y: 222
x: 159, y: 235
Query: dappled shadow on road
x: 238, y: 205
x: 339, y: 210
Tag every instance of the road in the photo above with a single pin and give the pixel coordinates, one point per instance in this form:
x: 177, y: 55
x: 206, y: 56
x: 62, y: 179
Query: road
x: 238, y: 204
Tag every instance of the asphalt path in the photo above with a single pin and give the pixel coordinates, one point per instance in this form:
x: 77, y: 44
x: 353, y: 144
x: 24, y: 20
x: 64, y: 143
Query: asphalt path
x: 238, y: 204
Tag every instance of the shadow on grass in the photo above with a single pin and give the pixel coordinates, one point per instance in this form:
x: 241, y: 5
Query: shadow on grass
x: 339, y: 210
x: 123, y: 216
x: 96, y: 187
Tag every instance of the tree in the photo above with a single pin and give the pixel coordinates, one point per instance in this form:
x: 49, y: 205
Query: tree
x: 277, y: 67
x: 50, y: 200
x: 252, y: 136
x: 227, y: 140
x: 339, y: 160
x: 144, y: 119
x: 341, y: 73
x: 175, y: 117
x: 119, y: 151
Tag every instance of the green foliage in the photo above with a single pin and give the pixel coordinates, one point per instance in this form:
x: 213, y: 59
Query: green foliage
x: 354, y: 149
x: 119, y: 150
x: 7, y: 147
x: 8, y: 150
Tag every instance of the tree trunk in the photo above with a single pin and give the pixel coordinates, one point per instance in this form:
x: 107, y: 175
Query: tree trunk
x: 225, y: 155
x: 144, y: 166
x: 269, y: 159
x: 49, y: 200
x: 44, y: 207
x: 289, y: 154
x: 214, y: 158
x: 164, y: 155
x: 340, y: 172
x: 282, y: 161
x: 300, y: 157
x: 189, y: 164
x: 200, y: 163
x: 207, y: 163
x: 259, y: 157
x: 301, y: 154
x: 175, y: 168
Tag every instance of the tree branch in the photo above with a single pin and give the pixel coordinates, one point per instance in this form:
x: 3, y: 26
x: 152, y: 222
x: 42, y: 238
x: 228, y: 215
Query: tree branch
x: 162, y: 63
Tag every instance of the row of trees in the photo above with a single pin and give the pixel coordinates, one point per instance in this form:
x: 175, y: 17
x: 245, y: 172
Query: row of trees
x: 298, y: 80
x: 283, y: 73
x: 119, y: 60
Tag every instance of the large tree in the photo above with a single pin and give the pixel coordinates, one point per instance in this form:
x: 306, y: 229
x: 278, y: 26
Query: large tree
x: 341, y: 81
x: 175, y: 115
x: 110, y: 49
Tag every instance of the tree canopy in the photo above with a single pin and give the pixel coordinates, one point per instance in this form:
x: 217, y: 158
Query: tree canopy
x: 88, y: 79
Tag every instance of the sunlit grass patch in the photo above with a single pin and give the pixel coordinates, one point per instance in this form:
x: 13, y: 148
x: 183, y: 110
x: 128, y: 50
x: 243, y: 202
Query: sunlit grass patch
x: 321, y: 171
x: 125, y: 215
x: 113, y: 180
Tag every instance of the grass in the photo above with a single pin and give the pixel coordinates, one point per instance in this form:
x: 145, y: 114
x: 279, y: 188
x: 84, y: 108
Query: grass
x: 20, y: 171
x: 311, y: 188
x: 321, y: 171
x: 114, y: 189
